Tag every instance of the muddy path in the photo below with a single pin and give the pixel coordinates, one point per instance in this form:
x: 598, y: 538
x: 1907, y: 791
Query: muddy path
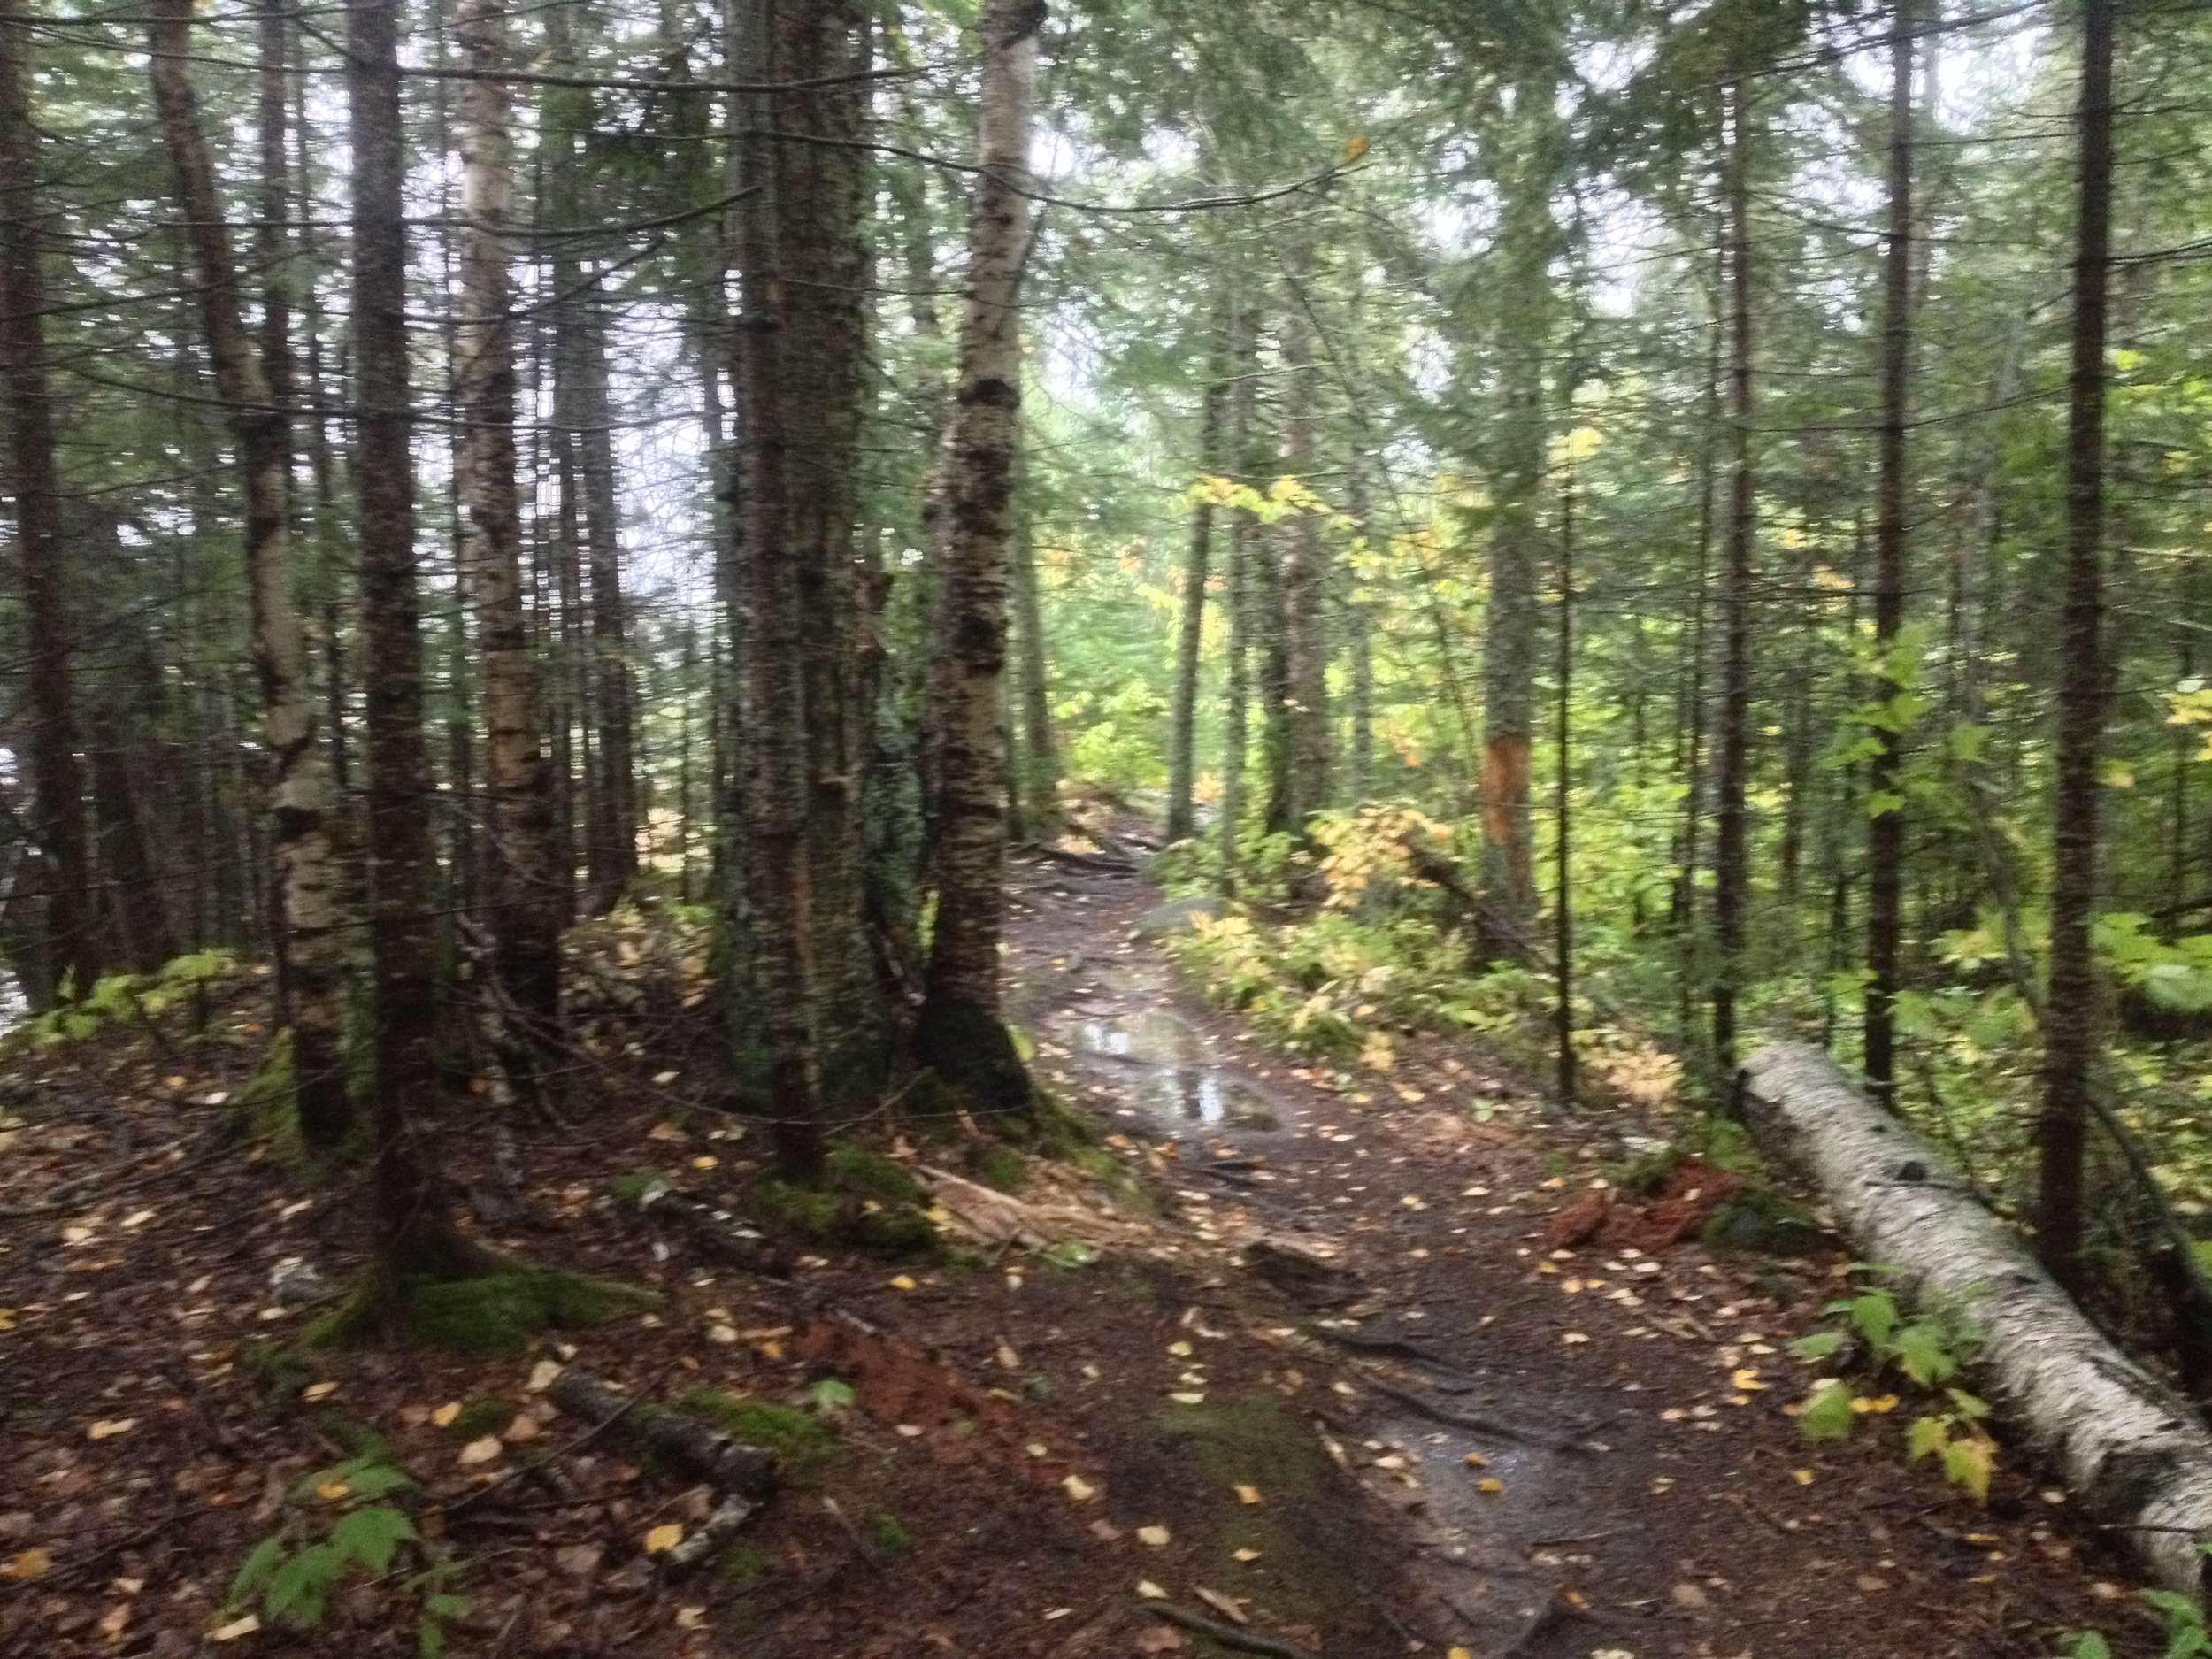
x: 1570, y: 1451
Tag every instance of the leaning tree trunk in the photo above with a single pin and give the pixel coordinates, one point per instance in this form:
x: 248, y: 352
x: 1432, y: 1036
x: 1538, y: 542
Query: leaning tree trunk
x: 1886, y: 835
x: 2070, y: 1029
x: 48, y: 707
x: 1732, y: 861
x: 959, y: 1032
x: 414, y: 1232
x: 525, y: 897
x: 301, y: 802
x: 2134, y: 1454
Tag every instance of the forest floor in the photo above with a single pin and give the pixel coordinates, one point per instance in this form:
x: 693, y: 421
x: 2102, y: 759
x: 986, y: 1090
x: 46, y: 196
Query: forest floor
x: 1328, y: 1379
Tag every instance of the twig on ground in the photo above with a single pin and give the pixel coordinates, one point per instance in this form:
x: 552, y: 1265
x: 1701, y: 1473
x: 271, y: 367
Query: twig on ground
x: 1227, y: 1635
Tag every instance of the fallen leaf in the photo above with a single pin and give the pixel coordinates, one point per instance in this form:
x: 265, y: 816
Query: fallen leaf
x: 1058, y: 1612
x: 1247, y: 1494
x: 1746, y: 1379
x: 902, y: 1282
x: 1689, y: 1595
x: 1221, y: 1603
x: 1154, y: 1537
x: 331, y: 1491
x: 1150, y: 1590
x: 1078, y: 1488
x: 106, y: 1428
x: 1571, y: 1337
x: 1160, y: 1639
x: 1493, y: 1486
x: 481, y: 1451
x: 542, y: 1376
x: 1188, y: 1399
x: 319, y: 1391
x: 1475, y: 1460
x: 236, y: 1628
x: 1803, y: 1476
x: 32, y: 1563
x: 112, y: 1622
x: 691, y: 1617
x: 704, y: 1160
x: 1245, y: 1555
x: 663, y: 1538
x: 444, y: 1415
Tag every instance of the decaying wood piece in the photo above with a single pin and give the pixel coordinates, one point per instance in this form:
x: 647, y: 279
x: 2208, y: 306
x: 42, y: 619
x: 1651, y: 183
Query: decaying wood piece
x: 743, y: 1476
x: 2124, y: 1443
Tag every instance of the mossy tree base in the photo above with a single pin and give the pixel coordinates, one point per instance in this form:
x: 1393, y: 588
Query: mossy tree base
x: 970, y: 1050
x: 492, y: 1312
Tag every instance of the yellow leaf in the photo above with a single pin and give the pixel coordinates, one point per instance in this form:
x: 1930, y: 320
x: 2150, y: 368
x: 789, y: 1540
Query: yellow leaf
x: 236, y: 1628
x: 704, y: 1160
x: 662, y: 1538
x: 1746, y: 1379
x: 32, y: 1563
x: 444, y: 1415
x: 1078, y: 1489
x: 1247, y: 1494
x: 542, y: 1376
x: 1245, y: 1555
x: 7, y: 1318
x: 1493, y: 1486
x: 481, y: 1451
x: 1886, y: 1402
x: 1475, y: 1460
x: 1355, y: 148
x: 902, y: 1282
x: 319, y: 1391
x: 1150, y: 1590
x: 1803, y: 1476
x: 1154, y: 1537
x: 331, y: 1491
x: 108, y: 1427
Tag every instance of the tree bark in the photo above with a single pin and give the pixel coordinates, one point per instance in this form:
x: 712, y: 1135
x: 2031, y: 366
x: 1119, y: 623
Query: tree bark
x: 959, y: 1032
x: 1730, y: 851
x: 1305, y: 583
x: 1040, y: 748
x: 775, y: 943
x: 49, y: 704
x: 523, y: 894
x: 1236, y: 695
x: 2133, y: 1454
x: 1886, y: 834
x: 610, y: 854
x: 300, y: 800
x: 2072, y: 1029
x: 414, y: 1232
x: 1191, y: 623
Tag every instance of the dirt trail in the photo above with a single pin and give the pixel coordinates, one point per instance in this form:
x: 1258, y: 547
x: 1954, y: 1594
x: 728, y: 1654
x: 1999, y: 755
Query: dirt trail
x: 1651, y: 1495
x: 1325, y: 1377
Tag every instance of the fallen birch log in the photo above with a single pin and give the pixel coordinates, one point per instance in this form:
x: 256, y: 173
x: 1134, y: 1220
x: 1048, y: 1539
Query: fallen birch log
x: 2131, y: 1452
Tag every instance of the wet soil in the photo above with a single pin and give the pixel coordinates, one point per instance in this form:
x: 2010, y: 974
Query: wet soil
x: 1330, y: 1378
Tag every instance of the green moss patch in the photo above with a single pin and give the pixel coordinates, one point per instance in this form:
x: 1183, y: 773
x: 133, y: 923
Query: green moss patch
x: 1764, y: 1221
x: 496, y: 1313
x: 868, y: 1201
x: 1000, y: 1168
x: 479, y: 1417
x: 803, y: 1446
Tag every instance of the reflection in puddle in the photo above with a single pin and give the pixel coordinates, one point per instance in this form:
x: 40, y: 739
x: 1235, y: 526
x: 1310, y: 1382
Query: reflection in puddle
x: 1170, y: 1074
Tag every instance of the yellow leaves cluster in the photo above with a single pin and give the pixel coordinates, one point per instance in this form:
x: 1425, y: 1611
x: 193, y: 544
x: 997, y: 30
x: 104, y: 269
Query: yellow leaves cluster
x: 1375, y: 847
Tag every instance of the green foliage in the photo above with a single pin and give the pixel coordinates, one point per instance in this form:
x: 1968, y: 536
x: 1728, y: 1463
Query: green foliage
x: 1929, y: 1348
x: 491, y: 1314
x: 337, y: 1523
x: 129, y: 999
x: 1000, y: 1168
x: 890, y: 1534
x: 868, y: 1201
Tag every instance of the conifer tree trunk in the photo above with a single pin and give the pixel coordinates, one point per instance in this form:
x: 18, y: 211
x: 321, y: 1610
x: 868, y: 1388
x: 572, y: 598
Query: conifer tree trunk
x: 1730, y: 852
x: 1270, y: 630
x: 1237, y: 598
x: 49, y: 705
x: 1886, y: 834
x: 774, y: 949
x: 522, y: 896
x: 1359, y: 629
x: 307, y: 891
x: 1305, y: 584
x: 2071, y: 1026
x: 1191, y: 624
x: 611, y: 852
x: 825, y: 194
x: 959, y: 1032
x: 1512, y: 626
x: 414, y: 1232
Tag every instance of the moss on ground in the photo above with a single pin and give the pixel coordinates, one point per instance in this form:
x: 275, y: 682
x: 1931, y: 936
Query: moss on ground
x: 802, y: 1445
x: 1765, y: 1222
x: 1305, y: 1570
x: 890, y: 1534
x: 742, y: 1565
x: 479, y: 1417
x: 492, y: 1314
x: 867, y: 1200
x: 1000, y: 1168
x: 628, y: 1189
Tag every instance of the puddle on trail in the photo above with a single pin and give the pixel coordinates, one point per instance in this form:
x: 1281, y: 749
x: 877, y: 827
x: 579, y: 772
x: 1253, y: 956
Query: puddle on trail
x: 1167, y: 1072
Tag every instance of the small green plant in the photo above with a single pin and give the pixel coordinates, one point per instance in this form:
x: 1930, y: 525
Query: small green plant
x: 1929, y: 1348
x: 296, y: 1568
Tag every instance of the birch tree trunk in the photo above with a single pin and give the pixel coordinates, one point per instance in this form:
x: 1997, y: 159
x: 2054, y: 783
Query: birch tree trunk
x: 1040, y: 750
x: 959, y: 1032
x: 414, y: 1231
x: 524, y: 899
x: 48, y: 707
x: 307, y: 910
